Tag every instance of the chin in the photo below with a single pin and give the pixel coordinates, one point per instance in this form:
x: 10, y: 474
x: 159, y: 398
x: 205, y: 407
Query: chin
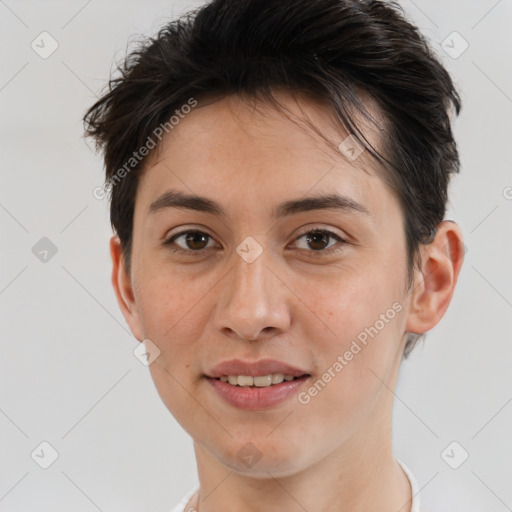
x: 264, y: 469
x: 258, y: 458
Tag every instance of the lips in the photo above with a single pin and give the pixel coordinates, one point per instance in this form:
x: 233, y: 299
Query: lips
x: 254, y: 369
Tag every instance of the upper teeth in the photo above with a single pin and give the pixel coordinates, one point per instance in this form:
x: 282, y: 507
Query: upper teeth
x: 259, y: 381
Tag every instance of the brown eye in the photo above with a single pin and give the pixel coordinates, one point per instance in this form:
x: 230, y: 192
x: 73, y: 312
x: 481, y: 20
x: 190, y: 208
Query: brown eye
x: 196, y: 240
x: 191, y: 241
x: 317, y: 240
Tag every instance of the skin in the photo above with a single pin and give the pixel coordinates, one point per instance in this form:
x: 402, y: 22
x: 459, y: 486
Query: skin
x: 292, y: 303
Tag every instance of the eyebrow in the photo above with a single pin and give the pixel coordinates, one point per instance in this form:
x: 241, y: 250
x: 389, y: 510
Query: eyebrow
x: 177, y: 199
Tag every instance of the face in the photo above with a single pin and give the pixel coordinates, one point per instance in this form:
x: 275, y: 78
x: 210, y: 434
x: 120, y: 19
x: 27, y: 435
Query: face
x: 332, y: 303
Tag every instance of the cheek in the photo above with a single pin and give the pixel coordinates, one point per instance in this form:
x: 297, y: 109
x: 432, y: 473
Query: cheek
x: 171, y: 305
x: 347, y: 302
x: 173, y: 311
x: 356, y: 334
x: 351, y: 365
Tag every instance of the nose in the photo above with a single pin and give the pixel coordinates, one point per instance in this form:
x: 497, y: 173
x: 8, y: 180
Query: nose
x: 254, y: 303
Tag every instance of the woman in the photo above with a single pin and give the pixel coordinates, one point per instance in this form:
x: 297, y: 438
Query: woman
x: 278, y: 175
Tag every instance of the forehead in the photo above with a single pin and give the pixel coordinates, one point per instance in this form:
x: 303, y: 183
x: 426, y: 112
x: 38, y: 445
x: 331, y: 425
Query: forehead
x: 290, y: 121
x: 249, y: 150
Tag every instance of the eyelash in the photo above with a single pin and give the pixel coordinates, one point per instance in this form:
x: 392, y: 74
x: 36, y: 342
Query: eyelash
x: 314, y: 254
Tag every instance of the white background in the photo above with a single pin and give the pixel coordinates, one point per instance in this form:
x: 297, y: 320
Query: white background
x: 67, y: 372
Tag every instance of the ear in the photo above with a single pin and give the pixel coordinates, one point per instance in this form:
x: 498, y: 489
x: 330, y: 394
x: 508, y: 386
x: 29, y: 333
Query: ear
x: 434, y: 283
x: 123, y: 288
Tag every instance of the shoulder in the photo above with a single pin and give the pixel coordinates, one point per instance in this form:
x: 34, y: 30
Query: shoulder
x: 415, y: 506
x: 180, y: 507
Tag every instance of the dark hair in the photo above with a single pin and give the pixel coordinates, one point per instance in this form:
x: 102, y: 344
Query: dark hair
x: 335, y: 51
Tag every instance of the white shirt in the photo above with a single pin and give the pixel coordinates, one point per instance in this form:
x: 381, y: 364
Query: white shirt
x: 415, y: 507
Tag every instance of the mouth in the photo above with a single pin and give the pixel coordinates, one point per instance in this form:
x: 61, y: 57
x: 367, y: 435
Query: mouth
x: 256, y: 385
x: 257, y: 393
x: 259, y: 381
x: 264, y: 372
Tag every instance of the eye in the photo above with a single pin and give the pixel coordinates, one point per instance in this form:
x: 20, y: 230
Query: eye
x: 192, y: 241
x: 195, y: 241
x: 317, y: 241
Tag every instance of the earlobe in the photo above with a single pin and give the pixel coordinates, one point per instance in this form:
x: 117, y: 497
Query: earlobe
x: 441, y: 261
x: 123, y: 289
